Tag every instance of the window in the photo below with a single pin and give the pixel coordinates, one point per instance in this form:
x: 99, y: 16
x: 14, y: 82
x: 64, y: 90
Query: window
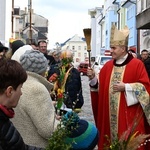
x: 73, y: 47
x: 79, y: 47
x: 104, y: 60
x: 85, y: 54
x: 147, y: 3
x: 114, y: 23
x: 16, y: 11
x: 79, y: 54
x: 20, y: 21
x: 148, y: 44
x: 130, y: 13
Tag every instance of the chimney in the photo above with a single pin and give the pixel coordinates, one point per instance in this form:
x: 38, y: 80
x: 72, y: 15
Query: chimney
x: 25, y: 10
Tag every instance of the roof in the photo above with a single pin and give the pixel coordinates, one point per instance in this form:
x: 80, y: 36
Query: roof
x: 29, y: 27
x: 41, y: 36
x: 42, y: 29
x: 81, y: 38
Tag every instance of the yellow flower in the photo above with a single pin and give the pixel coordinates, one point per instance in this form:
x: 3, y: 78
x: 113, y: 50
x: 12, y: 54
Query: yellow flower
x: 59, y: 91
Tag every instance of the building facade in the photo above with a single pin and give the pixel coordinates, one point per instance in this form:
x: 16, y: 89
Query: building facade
x: 142, y: 16
x: 97, y: 30
x: 29, y: 26
x: 130, y: 20
x: 119, y: 13
x: 5, y: 20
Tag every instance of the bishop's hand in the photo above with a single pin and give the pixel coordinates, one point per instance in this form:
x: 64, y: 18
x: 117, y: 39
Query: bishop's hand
x: 90, y: 73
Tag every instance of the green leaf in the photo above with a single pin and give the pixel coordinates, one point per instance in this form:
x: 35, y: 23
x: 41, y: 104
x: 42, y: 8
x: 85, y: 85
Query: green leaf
x: 59, y: 104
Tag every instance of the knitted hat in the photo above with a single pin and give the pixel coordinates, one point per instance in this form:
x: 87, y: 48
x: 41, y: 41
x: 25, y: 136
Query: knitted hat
x: 2, y: 47
x: 84, y: 135
x: 34, y: 61
x: 16, y: 44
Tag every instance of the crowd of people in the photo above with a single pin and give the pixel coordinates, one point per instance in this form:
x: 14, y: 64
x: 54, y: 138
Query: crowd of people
x: 38, y: 88
x: 35, y: 110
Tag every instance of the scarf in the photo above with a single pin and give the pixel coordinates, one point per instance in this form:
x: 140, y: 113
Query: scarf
x: 8, y: 112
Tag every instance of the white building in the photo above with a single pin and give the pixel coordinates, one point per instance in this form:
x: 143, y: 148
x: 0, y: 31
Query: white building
x: 97, y: 26
x: 78, y: 46
x: 5, y: 21
x: 22, y: 29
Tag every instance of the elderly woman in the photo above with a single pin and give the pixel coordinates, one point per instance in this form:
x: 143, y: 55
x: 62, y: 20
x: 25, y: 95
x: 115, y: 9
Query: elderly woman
x: 35, y: 113
x: 66, y: 79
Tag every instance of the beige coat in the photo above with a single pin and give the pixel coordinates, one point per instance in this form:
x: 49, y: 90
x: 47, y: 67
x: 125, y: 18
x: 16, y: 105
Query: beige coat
x: 35, y: 113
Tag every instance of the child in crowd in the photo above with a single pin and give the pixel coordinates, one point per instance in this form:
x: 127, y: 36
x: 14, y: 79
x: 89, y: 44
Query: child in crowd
x: 12, y: 77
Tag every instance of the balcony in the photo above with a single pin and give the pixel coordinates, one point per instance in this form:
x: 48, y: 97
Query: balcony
x: 142, y: 17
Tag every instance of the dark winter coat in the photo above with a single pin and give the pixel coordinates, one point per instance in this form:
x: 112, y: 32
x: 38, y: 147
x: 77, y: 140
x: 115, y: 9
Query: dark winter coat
x: 50, y: 59
x: 73, y: 87
x: 10, y: 139
x: 147, y: 65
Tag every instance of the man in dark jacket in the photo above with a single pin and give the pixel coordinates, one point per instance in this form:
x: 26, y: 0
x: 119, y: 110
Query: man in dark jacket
x: 12, y: 77
x: 42, y: 46
x: 146, y: 60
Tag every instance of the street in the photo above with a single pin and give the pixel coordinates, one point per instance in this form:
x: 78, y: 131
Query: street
x: 86, y: 112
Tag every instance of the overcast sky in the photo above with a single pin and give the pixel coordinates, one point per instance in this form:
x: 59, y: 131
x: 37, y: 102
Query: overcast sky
x: 66, y: 17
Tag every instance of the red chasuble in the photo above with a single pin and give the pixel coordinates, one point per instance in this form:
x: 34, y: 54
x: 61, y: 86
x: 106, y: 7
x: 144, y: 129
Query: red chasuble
x: 112, y: 115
